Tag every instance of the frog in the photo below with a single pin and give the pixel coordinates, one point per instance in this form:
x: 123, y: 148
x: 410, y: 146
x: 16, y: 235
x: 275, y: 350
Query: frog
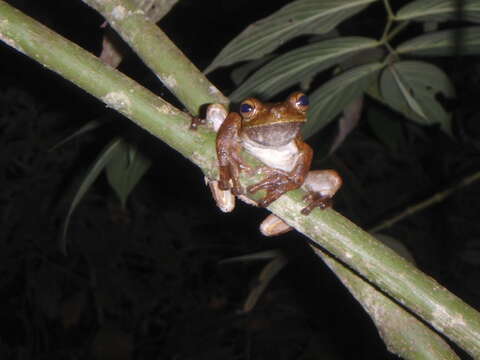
x: 271, y: 132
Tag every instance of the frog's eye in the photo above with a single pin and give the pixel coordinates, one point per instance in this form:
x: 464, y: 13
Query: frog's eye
x: 248, y: 109
x: 300, y: 101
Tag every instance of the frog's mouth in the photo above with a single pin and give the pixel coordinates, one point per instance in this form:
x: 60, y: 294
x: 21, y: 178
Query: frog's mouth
x: 274, y: 134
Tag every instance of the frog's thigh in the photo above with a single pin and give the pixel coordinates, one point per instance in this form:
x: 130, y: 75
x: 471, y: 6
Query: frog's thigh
x: 325, y: 182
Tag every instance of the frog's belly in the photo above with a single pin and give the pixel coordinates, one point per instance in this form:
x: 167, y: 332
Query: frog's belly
x: 282, y: 157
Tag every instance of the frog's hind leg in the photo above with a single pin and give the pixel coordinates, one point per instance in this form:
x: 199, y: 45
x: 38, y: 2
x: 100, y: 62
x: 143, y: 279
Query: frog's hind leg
x: 321, y: 186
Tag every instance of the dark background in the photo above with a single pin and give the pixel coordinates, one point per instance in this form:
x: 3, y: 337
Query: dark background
x: 145, y: 282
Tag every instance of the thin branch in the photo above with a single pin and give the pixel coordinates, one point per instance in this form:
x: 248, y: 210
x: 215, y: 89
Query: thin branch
x: 390, y: 20
x: 396, y: 30
x: 436, y: 198
x: 388, y: 9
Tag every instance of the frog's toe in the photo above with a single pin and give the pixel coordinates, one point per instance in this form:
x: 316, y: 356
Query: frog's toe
x: 264, y: 202
x: 243, y: 166
x: 316, y: 199
x: 252, y: 189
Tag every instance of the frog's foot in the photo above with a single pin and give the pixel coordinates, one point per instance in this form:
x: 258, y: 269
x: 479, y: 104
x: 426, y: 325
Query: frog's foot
x: 275, y: 185
x: 267, y: 171
x: 229, y: 178
x: 196, y: 122
x: 316, y: 199
x: 230, y: 173
x: 275, y: 180
x: 270, y: 197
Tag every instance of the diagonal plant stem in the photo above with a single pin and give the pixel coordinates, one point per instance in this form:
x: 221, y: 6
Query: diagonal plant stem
x: 108, y: 85
x: 388, y: 271
x: 348, y: 243
x: 168, y: 63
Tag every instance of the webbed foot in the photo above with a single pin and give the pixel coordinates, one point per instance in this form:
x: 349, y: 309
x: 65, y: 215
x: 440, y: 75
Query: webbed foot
x: 316, y: 199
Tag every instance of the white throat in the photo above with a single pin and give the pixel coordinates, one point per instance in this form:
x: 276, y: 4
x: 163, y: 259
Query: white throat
x: 280, y: 157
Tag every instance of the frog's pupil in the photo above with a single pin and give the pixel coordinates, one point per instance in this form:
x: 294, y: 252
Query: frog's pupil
x: 246, y: 108
x: 303, y: 100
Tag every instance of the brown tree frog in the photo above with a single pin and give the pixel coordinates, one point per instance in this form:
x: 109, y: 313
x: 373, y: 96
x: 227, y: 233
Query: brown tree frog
x: 271, y: 133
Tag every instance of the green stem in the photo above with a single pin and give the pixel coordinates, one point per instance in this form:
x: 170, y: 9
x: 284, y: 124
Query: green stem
x: 393, y: 56
x: 158, y: 52
x: 436, y: 198
x: 391, y: 273
x: 395, y: 325
x: 390, y: 20
x: 384, y: 37
x: 397, y: 30
x: 388, y: 9
x: 108, y: 85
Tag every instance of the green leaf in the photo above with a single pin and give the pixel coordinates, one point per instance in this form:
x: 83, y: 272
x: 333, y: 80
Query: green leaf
x: 440, y: 10
x: 299, y: 64
x: 240, y: 73
x: 265, y: 277
x: 413, y: 88
x: 407, y: 93
x: 461, y: 41
x: 125, y: 170
x: 297, y: 18
x: 105, y: 156
x: 261, y: 255
x: 91, y: 125
x: 331, y: 98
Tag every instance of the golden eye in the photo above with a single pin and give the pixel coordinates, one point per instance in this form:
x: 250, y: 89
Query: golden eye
x: 300, y: 101
x: 248, y: 109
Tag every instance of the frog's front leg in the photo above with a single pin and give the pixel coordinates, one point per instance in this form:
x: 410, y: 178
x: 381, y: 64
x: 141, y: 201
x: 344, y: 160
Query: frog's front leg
x: 230, y: 162
x: 278, y: 182
x: 215, y: 116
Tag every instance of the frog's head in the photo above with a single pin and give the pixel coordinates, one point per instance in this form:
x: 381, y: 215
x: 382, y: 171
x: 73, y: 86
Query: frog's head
x: 274, y: 124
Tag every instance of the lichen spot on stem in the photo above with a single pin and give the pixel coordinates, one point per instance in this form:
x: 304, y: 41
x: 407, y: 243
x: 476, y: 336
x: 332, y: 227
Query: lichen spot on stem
x: 9, y: 41
x: 119, y: 12
x: 170, y: 81
x: 167, y: 110
x: 118, y: 100
x: 213, y: 90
